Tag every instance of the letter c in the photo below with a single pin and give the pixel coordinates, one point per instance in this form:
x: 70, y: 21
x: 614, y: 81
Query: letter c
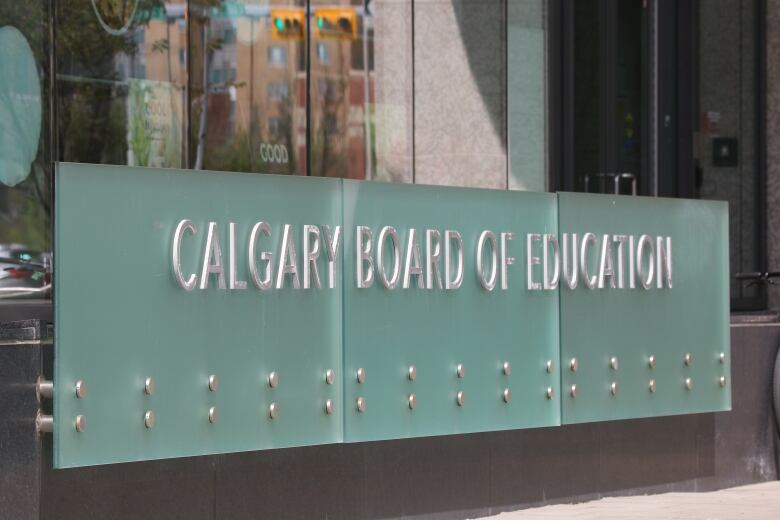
x: 189, y: 283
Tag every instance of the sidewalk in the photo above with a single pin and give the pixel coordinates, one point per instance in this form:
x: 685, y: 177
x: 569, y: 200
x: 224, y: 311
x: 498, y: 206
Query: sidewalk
x: 755, y: 502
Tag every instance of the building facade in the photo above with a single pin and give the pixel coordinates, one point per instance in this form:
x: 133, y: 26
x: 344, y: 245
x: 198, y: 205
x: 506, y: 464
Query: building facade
x: 648, y: 98
x: 528, y: 95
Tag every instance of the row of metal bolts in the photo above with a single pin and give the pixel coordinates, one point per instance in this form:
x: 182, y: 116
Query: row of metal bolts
x: 273, y: 382
x: 360, y: 402
x: 651, y: 362
x: 460, y: 397
x: 213, y: 413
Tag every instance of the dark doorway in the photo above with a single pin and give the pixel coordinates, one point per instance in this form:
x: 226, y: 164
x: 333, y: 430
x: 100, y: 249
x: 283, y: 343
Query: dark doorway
x: 665, y: 98
x: 606, y: 71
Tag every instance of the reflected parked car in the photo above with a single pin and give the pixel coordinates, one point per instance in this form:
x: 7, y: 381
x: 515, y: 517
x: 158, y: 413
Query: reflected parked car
x: 24, y: 273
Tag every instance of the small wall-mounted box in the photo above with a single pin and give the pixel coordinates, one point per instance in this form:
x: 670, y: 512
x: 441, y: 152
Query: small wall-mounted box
x: 725, y: 152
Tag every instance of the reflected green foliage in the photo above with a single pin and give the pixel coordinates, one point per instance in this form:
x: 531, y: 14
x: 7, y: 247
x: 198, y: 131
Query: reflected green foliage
x: 91, y: 93
x: 23, y: 218
x: 94, y: 121
x: 236, y: 155
x: 140, y: 140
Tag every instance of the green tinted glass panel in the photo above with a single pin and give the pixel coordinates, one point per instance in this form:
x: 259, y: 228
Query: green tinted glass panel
x: 387, y: 331
x: 120, y: 318
x: 632, y: 325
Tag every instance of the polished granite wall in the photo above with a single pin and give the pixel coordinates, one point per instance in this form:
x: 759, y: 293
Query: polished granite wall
x: 527, y: 83
x: 460, y: 93
x: 393, y: 84
x: 727, y: 99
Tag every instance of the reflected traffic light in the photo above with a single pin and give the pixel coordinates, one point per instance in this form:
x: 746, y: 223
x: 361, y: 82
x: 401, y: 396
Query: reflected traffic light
x: 288, y: 23
x: 336, y: 23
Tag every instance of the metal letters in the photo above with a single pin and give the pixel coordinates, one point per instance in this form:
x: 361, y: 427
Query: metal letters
x: 648, y: 260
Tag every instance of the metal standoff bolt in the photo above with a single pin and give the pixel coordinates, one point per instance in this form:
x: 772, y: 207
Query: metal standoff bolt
x: 273, y: 379
x: 81, y: 423
x: 44, y: 388
x: 651, y: 386
x: 549, y: 366
x: 273, y: 410
x: 330, y: 376
x: 506, y: 368
x: 329, y: 406
x: 550, y: 392
x: 149, y: 419
x: 213, y: 383
x: 722, y: 381
x: 688, y: 359
x: 689, y: 383
x: 506, y: 395
x: 460, y: 370
x: 412, y: 373
x: 44, y: 423
x: 412, y: 400
x: 574, y: 391
x: 149, y: 386
x: 722, y: 358
x: 574, y: 364
x: 81, y: 389
x: 651, y: 361
x: 460, y: 398
x: 613, y: 388
x: 361, y: 375
x: 213, y: 415
x: 613, y: 363
x: 361, y: 404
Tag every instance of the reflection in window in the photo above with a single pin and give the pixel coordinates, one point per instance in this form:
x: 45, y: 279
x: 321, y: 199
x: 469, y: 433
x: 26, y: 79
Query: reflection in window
x: 25, y: 154
x: 247, y: 86
x: 121, y: 82
x: 330, y: 90
x: 331, y: 124
x: 322, y: 53
x: 361, y: 112
x: 278, y: 91
x: 277, y: 56
x: 275, y: 127
x: 132, y: 81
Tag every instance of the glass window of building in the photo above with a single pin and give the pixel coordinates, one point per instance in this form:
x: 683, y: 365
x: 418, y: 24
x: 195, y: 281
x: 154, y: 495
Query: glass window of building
x: 258, y: 104
x: 120, y: 84
x: 25, y: 157
x: 639, y: 97
x: 361, y: 116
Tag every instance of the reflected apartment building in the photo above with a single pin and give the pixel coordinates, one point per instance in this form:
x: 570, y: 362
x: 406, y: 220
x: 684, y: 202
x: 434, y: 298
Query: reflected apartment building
x: 247, y: 93
x: 256, y: 91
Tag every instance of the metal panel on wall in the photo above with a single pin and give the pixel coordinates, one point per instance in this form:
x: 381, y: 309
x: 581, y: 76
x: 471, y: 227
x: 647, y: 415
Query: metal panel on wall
x: 641, y: 351
x: 434, y: 332
x: 121, y: 317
